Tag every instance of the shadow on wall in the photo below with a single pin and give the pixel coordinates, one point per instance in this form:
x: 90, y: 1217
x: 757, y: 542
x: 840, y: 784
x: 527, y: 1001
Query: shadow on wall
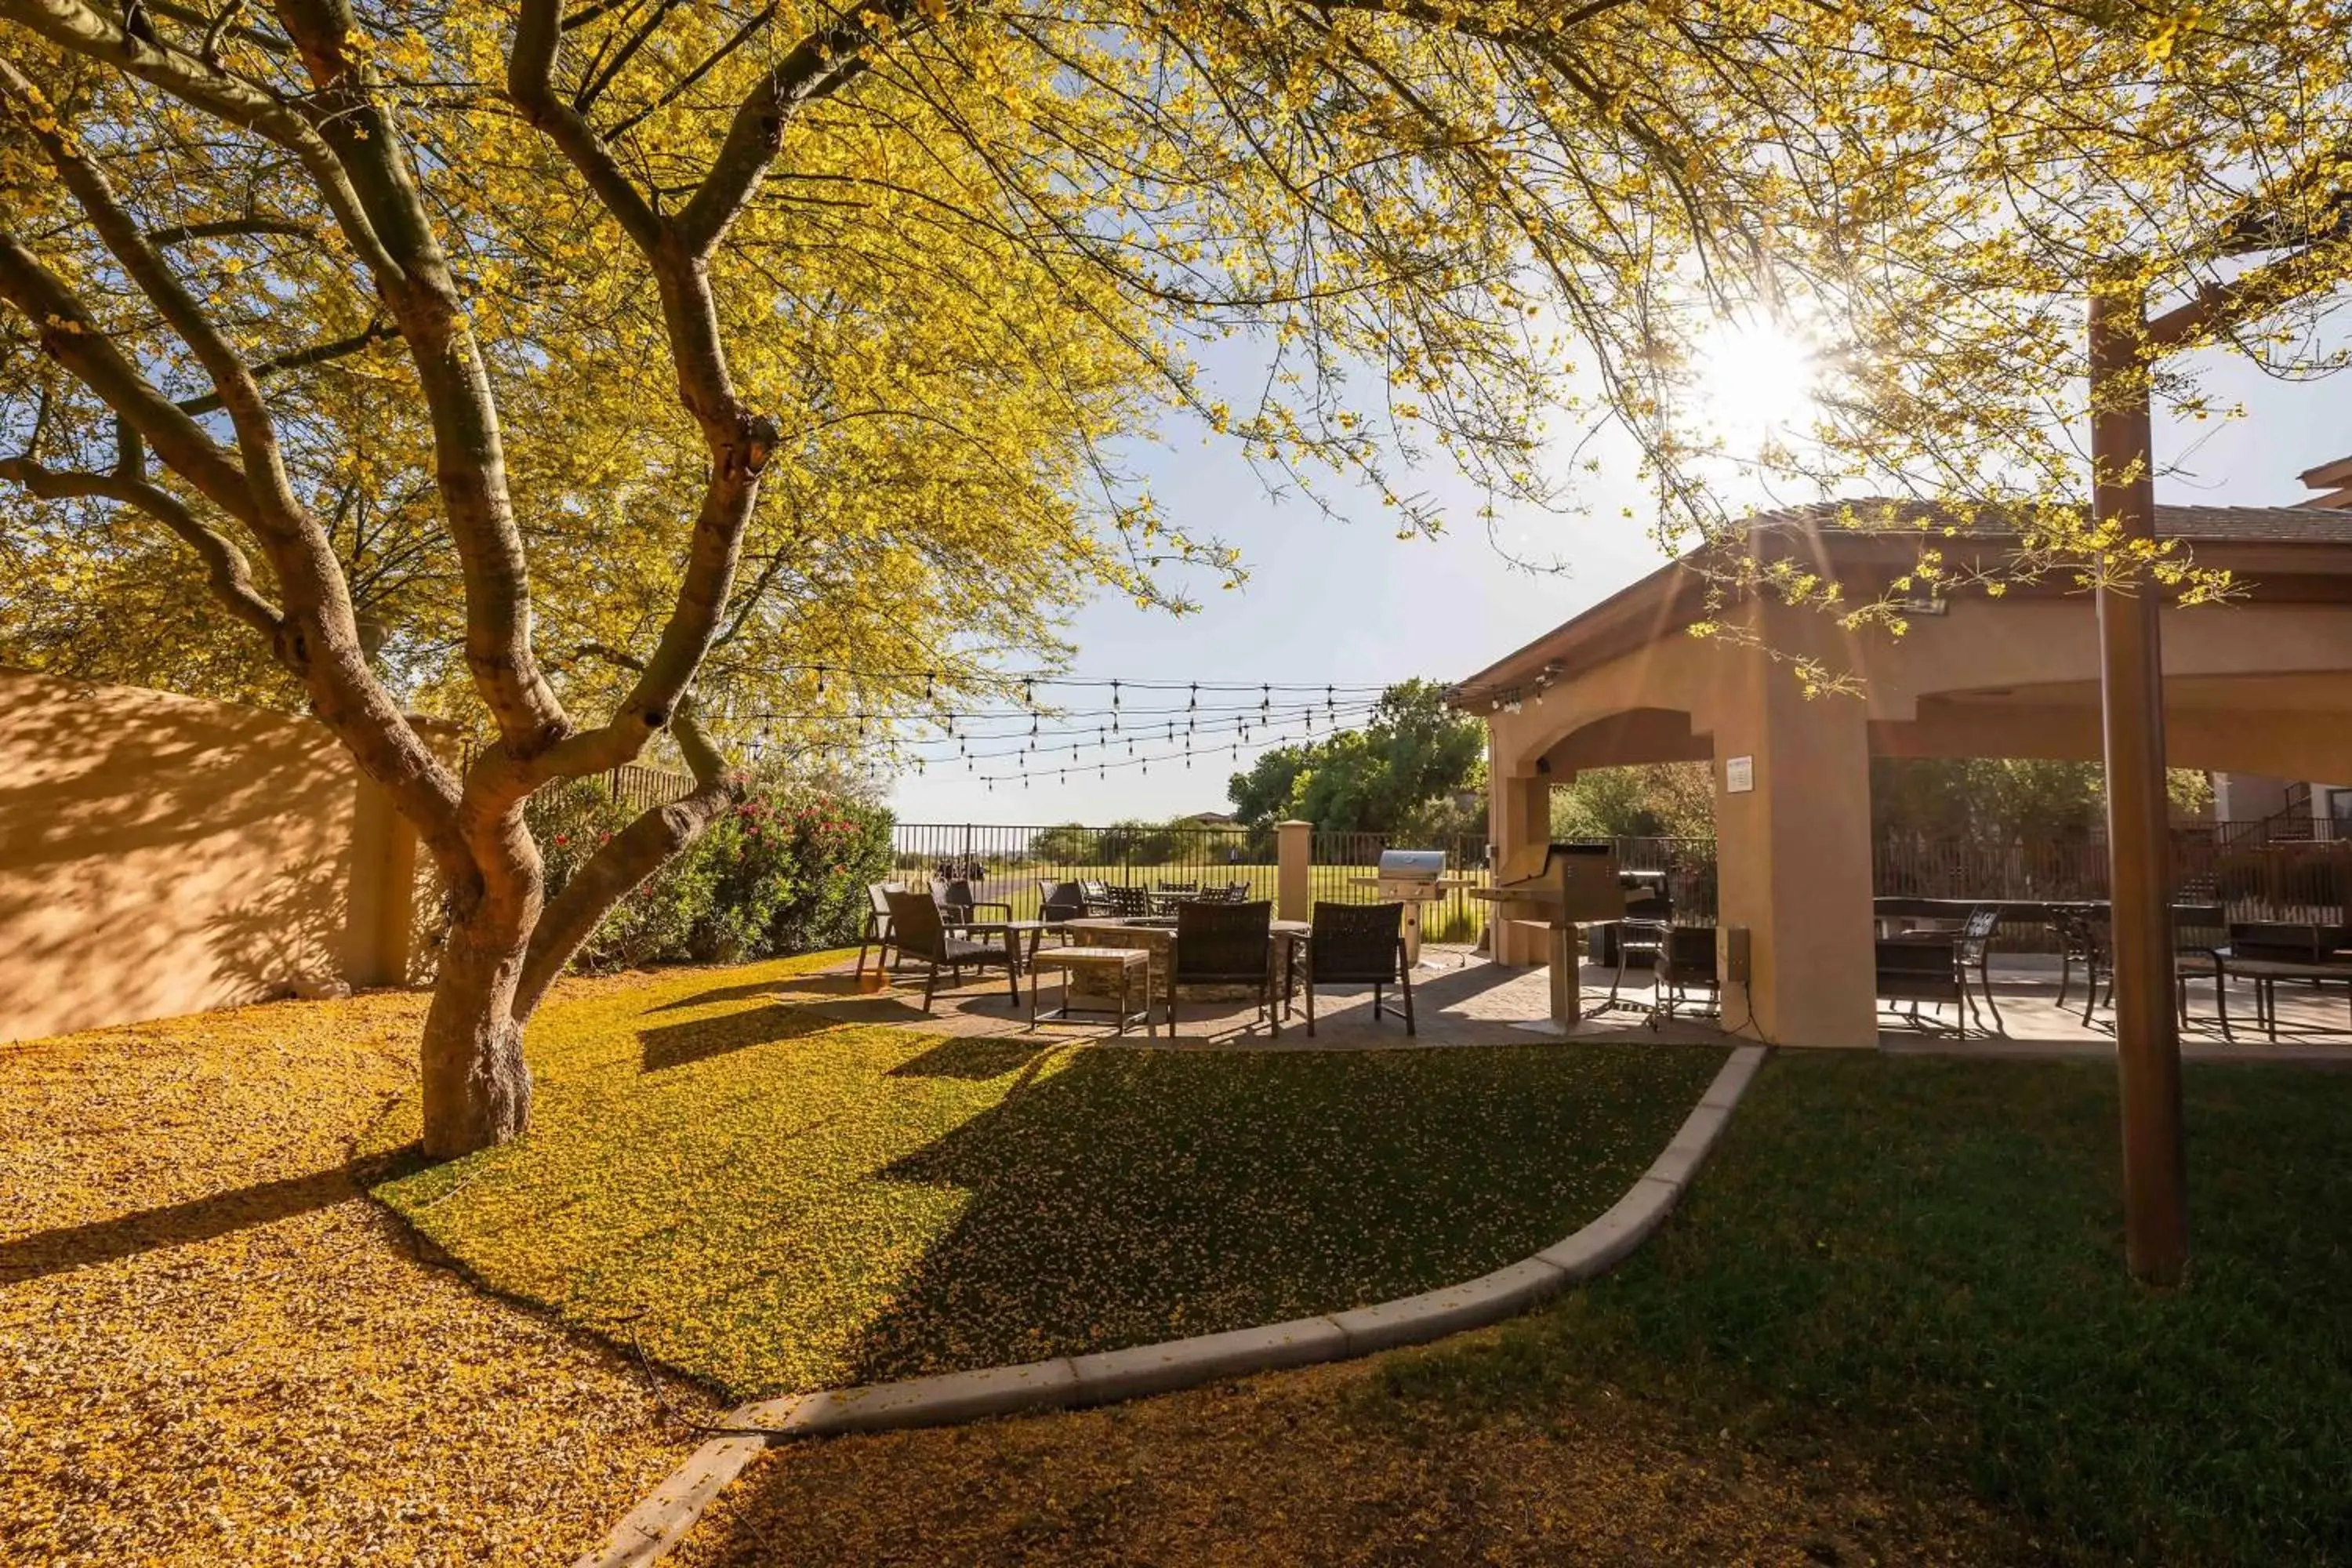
x: 161, y: 855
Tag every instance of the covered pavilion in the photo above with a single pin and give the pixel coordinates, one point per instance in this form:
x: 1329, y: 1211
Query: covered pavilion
x: 2261, y: 684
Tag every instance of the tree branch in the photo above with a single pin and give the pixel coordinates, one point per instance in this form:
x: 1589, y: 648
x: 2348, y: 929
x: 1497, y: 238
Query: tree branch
x: 618, y: 868
x: 83, y: 30
x: 226, y: 567
x: 223, y: 228
x: 321, y: 354
x: 237, y: 390
x: 67, y: 335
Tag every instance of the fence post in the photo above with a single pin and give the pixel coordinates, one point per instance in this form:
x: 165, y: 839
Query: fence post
x: 1294, y: 873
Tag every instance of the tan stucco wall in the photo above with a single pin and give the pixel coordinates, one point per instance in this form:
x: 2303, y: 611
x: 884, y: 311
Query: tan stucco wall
x: 161, y: 855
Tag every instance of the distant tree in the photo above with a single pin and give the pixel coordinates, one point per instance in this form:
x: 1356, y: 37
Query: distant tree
x: 2004, y: 798
x: 1397, y: 775
x: 1669, y: 800
x: 1934, y: 797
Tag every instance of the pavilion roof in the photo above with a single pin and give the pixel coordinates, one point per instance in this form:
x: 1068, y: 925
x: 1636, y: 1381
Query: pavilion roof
x: 2269, y: 542
x: 2190, y: 524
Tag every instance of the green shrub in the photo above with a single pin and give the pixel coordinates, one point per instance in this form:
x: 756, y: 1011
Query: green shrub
x: 783, y: 872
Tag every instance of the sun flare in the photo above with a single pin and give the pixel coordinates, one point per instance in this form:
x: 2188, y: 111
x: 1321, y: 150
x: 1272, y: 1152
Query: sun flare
x: 1752, y: 382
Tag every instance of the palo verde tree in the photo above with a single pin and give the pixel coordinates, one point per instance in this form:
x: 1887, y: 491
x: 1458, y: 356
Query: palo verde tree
x: 582, y: 361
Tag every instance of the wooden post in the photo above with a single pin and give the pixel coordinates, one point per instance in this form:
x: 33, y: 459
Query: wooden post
x: 2140, y: 847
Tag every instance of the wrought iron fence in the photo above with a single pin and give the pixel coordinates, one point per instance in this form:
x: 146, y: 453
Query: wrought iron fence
x: 2254, y: 881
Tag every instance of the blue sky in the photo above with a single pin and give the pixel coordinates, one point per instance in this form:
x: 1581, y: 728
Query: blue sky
x: 1347, y: 602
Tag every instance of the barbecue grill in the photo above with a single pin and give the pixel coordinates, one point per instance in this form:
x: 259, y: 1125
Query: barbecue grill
x: 1412, y: 877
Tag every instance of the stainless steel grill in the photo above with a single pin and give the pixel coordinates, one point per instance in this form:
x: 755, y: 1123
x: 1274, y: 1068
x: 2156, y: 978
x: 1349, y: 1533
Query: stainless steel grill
x: 1412, y: 877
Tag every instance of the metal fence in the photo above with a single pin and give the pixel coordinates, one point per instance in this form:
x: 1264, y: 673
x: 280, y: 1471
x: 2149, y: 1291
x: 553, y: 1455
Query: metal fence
x: 2254, y: 879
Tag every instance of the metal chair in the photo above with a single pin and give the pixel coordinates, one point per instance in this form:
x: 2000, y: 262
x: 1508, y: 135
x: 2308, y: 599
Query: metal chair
x: 1685, y: 962
x: 1975, y: 952
x: 1097, y: 895
x: 1923, y: 968
x: 877, y: 934
x: 1357, y: 944
x: 1126, y: 903
x: 1166, y: 896
x: 1635, y: 942
x: 1226, y: 944
x: 918, y: 932
x: 2080, y: 940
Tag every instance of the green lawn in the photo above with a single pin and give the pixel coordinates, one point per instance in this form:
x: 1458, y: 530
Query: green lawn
x: 771, y: 1203
x: 1915, y: 1266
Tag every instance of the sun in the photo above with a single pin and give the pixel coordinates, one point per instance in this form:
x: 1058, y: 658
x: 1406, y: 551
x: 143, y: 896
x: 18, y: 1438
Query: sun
x: 1753, y: 383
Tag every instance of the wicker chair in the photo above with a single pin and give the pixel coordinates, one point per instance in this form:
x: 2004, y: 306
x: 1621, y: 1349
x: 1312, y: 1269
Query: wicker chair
x: 1226, y: 944
x: 1061, y: 901
x: 959, y: 909
x: 877, y: 934
x: 917, y: 931
x: 1358, y: 945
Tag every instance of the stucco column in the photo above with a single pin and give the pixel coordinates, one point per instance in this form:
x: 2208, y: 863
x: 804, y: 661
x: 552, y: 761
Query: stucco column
x: 1294, y: 885
x: 380, y: 892
x: 1520, y: 815
x: 1793, y: 854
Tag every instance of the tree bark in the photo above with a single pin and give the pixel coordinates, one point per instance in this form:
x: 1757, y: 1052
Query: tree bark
x: 477, y: 1090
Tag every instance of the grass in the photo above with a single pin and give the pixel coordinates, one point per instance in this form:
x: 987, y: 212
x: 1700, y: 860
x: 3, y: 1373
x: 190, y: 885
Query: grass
x: 770, y: 1202
x: 1914, y: 1267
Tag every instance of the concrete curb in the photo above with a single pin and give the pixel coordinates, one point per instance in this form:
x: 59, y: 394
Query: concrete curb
x: 657, y: 1524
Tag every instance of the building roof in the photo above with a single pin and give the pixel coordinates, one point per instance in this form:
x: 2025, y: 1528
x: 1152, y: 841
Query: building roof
x: 2189, y: 524
x: 2286, y: 548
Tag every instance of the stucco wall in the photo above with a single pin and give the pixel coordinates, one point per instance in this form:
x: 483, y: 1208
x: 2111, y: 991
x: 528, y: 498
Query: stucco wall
x: 161, y: 855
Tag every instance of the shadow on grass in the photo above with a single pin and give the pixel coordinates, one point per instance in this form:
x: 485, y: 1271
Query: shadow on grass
x: 66, y: 1247
x: 822, y: 985
x: 1132, y: 1196
x: 1916, y: 1265
x: 699, y: 1039
x: 975, y: 1056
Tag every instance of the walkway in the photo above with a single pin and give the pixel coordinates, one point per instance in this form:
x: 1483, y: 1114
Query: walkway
x: 1463, y: 999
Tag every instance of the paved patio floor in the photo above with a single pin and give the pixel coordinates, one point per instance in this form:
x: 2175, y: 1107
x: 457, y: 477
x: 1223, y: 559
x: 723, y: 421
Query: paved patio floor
x: 1462, y: 999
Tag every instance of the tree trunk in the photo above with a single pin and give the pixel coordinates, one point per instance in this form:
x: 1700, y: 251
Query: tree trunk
x: 476, y: 1088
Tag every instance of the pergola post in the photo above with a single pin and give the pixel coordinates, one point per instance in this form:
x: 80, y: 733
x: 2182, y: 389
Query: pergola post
x: 1793, y: 850
x: 2139, y: 846
x: 1519, y: 814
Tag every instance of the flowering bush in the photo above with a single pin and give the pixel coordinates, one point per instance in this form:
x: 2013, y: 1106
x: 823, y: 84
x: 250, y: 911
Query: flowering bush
x: 785, y: 872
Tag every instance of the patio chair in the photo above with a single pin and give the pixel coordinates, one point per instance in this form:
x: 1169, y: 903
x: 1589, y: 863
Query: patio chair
x: 1632, y: 943
x: 877, y: 934
x: 1923, y: 968
x: 1975, y: 952
x: 918, y: 932
x: 2267, y: 952
x: 1166, y: 896
x: 1061, y: 901
x: 1685, y: 962
x: 2201, y: 940
x: 1126, y: 903
x: 1097, y: 895
x: 1231, y: 893
x: 1357, y: 944
x: 2081, y: 940
x: 959, y: 908
x: 1226, y: 944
